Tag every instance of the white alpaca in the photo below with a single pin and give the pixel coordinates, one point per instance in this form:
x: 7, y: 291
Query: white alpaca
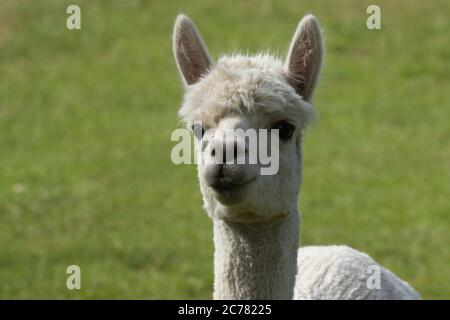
x: 256, y: 219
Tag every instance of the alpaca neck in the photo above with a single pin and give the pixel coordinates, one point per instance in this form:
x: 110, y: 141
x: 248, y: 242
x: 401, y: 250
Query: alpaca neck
x: 256, y: 261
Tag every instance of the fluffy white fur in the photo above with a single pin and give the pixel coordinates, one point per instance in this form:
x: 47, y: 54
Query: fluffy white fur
x: 256, y: 221
x: 340, y: 272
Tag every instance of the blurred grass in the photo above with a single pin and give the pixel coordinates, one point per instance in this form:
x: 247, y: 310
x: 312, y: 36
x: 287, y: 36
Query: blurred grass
x: 85, y: 123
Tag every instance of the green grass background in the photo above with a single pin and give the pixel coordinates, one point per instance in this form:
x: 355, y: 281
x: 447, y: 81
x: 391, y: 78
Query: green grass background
x: 85, y: 124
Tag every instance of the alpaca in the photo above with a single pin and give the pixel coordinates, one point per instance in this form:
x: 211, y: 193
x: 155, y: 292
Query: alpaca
x: 255, y: 217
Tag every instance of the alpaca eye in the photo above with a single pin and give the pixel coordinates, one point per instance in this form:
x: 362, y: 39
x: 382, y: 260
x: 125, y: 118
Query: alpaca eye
x: 285, y: 129
x: 198, y: 129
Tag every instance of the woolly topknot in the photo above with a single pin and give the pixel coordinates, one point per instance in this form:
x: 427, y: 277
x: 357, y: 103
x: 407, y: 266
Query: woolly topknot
x: 244, y: 84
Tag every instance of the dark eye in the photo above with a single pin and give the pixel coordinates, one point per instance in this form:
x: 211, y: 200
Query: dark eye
x: 198, y: 129
x: 285, y: 129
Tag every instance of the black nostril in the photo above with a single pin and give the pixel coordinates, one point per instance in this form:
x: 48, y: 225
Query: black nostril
x: 224, y: 153
x: 213, y: 152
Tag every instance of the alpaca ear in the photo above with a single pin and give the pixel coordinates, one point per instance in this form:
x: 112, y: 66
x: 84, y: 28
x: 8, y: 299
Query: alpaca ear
x: 305, y: 57
x: 190, y: 52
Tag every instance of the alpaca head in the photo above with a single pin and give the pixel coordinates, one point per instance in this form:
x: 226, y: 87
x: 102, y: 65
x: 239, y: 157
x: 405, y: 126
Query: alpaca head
x: 241, y: 93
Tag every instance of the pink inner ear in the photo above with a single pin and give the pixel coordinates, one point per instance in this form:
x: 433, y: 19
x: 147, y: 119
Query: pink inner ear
x: 301, y: 67
x: 305, y: 58
x: 190, y: 53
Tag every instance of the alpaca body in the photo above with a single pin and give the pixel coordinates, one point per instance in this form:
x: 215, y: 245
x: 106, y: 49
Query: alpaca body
x: 255, y: 216
x: 262, y: 261
x: 342, y: 273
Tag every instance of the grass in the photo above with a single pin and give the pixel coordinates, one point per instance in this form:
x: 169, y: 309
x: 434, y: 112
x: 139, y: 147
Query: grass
x: 85, y: 123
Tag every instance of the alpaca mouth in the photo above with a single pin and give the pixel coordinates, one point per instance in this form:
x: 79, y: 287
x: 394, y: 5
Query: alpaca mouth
x: 224, y: 184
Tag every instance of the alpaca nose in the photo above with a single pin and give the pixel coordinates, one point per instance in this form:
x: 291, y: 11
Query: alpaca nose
x: 228, y: 151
